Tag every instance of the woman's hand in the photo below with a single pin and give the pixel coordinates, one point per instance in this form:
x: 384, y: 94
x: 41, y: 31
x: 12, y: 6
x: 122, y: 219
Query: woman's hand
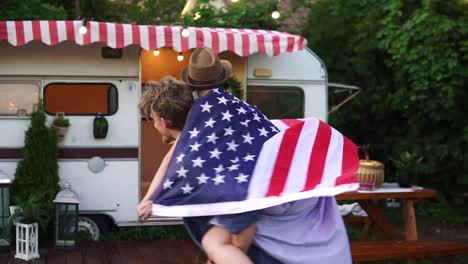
x: 144, y: 209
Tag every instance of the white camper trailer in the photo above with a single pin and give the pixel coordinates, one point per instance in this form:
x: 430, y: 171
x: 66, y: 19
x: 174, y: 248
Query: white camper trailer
x: 78, y: 74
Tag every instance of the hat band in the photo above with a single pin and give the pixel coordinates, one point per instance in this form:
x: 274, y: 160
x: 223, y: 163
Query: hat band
x: 220, y: 78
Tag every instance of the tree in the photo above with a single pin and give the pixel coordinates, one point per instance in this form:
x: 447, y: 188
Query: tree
x: 410, y: 59
x: 37, y: 173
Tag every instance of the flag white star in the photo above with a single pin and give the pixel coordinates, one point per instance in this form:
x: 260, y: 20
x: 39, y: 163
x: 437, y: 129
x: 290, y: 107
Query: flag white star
x: 212, y: 138
x: 167, y: 184
x: 222, y: 100
x: 228, y: 131
x: 194, y: 146
x: 215, y: 153
x: 194, y: 132
x: 246, y: 122
x: 198, y: 162
x: 218, y: 179
x: 206, y: 107
x: 256, y: 117
x: 182, y: 172
x: 210, y: 123
x: 180, y: 157
x: 216, y: 90
x: 219, y: 168
x: 232, y: 145
x: 247, y: 138
x: 249, y: 157
x: 241, y: 110
x: 274, y: 129
x: 187, y: 188
x: 233, y: 167
x: 202, y: 178
x: 263, y: 132
x: 226, y: 116
x: 241, y: 178
x: 235, y: 160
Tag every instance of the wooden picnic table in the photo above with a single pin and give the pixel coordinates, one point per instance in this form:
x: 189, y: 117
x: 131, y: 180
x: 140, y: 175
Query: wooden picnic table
x: 394, y: 245
x: 373, y: 204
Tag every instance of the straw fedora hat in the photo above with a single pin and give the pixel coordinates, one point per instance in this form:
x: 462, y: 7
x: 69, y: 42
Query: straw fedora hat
x: 206, y: 70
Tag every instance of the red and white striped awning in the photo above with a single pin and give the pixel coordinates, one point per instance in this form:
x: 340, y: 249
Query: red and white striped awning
x: 243, y: 42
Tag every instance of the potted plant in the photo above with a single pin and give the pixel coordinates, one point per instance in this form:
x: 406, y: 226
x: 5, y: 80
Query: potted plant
x: 407, y: 164
x: 100, y: 126
x: 61, y: 124
x: 31, y: 213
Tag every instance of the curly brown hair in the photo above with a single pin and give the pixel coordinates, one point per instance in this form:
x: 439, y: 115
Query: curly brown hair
x: 169, y: 98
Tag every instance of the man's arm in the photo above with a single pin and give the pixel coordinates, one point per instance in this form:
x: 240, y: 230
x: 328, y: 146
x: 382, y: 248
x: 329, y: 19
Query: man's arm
x: 144, y: 208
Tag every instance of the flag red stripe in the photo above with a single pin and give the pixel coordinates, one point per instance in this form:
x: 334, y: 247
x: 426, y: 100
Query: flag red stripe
x: 350, y: 163
x: 19, y: 26
x: 284, y: 159
x: 53, y: 32
x: 291, y: 122
x: 318, y: 156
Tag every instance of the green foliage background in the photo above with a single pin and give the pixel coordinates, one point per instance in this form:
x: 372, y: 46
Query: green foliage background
x: 411, y: 60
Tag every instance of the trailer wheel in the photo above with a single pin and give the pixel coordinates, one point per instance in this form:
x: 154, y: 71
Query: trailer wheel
x: 93, y: 226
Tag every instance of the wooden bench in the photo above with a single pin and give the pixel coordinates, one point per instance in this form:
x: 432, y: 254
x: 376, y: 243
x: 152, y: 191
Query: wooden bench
x: 363, y: 251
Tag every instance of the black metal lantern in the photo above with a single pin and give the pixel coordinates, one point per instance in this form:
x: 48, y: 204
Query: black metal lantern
x: 66, y: 218
x: 5, y: 186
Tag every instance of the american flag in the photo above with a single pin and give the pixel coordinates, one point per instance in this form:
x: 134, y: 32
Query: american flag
x: 230, y: 158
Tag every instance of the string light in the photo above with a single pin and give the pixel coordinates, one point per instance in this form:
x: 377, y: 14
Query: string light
x: 185, y: 33
x: 275, y: 14
x: 180, y: 57
x: 156, y: 52
x: 83, y: 30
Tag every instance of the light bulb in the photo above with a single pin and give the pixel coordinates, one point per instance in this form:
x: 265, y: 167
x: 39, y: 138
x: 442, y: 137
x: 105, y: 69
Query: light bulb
x: 83, y: 30
x: 156, y: 52
x: 275, y: 14
x: 180, y: 57
x: 185, y: 33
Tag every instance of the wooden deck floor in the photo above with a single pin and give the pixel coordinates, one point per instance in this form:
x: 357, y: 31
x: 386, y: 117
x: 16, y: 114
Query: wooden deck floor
x: 118, y: 252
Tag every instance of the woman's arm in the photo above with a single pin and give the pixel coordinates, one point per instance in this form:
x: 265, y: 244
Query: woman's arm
x: 144, y: 208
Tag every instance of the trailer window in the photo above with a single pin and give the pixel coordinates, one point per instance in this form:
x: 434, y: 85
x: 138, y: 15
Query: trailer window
x: 18, y: 98
x: 277, y: 102
x: 81, y: 98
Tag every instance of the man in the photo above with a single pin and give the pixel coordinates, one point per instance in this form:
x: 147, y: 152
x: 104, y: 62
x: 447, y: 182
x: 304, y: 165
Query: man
x: 302, y: 231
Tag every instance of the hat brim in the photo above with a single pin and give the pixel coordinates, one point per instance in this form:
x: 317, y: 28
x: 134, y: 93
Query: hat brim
x: 227, y: 67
